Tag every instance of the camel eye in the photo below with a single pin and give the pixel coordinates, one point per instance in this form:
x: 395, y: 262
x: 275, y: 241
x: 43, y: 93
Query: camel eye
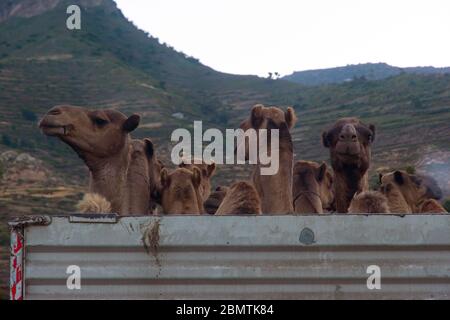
x: 100, y: 122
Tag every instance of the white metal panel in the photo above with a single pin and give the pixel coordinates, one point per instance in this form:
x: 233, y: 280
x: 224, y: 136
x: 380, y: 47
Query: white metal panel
x: 245, y: 257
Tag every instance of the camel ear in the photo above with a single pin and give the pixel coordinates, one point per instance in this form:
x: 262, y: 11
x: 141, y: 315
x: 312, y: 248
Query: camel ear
x: 211, y: 169
x: 398, y: 177
x: 257, y: 117
x: 325, y: 139
x: 322, y: 171
x: 131, y: 123
x: 372, y: 128
x: 149, y: 148
x: 196, y: 176
x: 290, y: 117
x: 165, y: 179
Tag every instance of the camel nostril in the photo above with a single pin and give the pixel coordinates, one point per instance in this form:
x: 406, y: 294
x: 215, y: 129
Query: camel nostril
x: 354, y: 137
x: 342, y: 137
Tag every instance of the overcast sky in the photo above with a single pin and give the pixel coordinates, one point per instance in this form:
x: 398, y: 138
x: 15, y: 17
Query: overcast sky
x: 258, y: 36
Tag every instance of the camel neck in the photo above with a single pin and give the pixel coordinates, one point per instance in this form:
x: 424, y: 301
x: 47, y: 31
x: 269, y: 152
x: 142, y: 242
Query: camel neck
x: 109, y: 177
x: 347, y: 183
x: 275, y: 190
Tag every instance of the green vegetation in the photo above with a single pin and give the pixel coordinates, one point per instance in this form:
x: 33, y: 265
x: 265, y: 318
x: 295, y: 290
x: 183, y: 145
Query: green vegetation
x: 410, y: 169
x: 29, y: 115
x: 4, y: 235
x: 447, y: 204
x: 2, y: 170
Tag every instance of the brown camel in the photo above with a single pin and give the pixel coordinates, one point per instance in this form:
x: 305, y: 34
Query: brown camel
x: 180, y: 191
x: 215, y: 199
x: 396, y: 201
x: 101, y: 138
x: 414, y: 189
x: 207, y: 170
x: 312, y: 187
x: 143, y: 177
x: 94, y: 203
x: 349, y: 141
x: 275, y: 191
x: 369, y: 202
x: 241, y: 198
x: 432, y: 206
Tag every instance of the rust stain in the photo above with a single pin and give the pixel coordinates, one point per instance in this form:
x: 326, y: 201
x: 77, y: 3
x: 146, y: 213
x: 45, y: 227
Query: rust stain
x: 151, y: 241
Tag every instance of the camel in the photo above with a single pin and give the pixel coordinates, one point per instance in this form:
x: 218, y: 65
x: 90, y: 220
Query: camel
x: 215, y: 199
x: 275, y: 191
x: 349, y: 141
x: 180, y: 191
x: 94, y: 203
x: 411, y: 189
x: 312, y: 187
x: 101, y: 138
x: 432, y: 206
x: 207, y: 170
x: 396, y: 201
x: 143, y: 177
x: 369, y: 202
x: 241, y: 198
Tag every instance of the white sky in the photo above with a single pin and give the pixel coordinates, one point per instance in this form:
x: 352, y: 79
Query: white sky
x: 258, y: 36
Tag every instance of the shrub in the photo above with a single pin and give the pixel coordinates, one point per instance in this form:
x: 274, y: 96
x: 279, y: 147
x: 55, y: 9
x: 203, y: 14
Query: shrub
x: 162, y: 85
x: 2, y: 170
x: 7, y: 141
x: 29, y: 115
x: 447, y: 204
x: 410, y: 170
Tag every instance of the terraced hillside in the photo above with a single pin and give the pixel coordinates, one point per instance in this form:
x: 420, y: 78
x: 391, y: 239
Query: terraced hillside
x: 110, y: 63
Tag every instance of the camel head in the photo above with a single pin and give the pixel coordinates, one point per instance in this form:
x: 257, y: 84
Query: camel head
x: 268, y: 118
x: 349, y: 141
x: 207, y: 171
x: 369, y: 202
x: 180, y: 191
x: 413, y: 188
x: 143, y: 154
x: 93, y: 133
x: 260, y: 116
x: 314, y: 180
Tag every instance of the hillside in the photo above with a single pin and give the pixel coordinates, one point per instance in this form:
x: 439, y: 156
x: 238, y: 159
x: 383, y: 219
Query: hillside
x: 110, y: 63
x: 367, y: 71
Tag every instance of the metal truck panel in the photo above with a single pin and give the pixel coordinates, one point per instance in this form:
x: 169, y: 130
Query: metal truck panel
x: 239, y: 257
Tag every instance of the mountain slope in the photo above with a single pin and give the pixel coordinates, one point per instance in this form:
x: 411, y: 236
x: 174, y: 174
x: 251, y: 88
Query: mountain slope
x: 368, y: 71
x: 110, y: 63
